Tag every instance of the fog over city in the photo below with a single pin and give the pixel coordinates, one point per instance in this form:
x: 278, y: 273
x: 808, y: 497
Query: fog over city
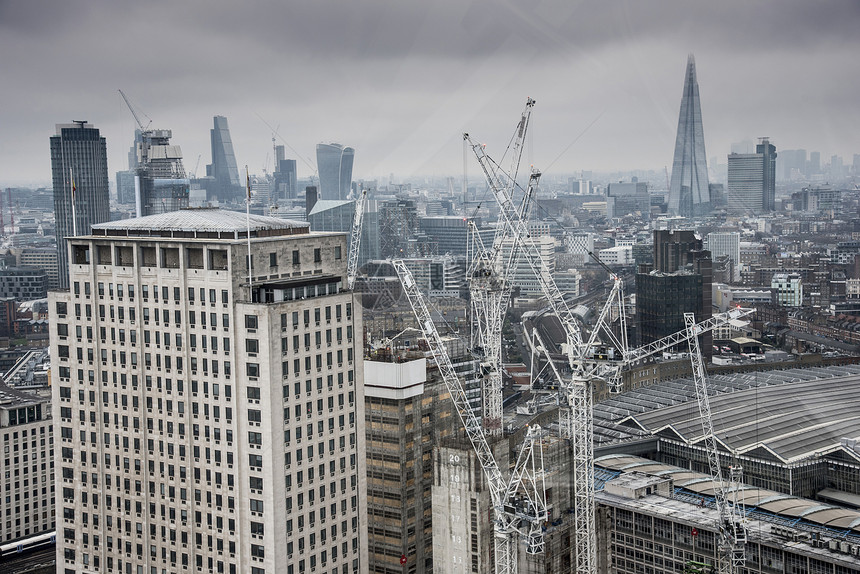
x: 400, y: 82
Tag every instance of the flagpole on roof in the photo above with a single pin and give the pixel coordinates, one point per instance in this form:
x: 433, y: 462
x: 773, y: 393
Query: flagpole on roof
x: 248, y: 222
x: 74, y: 213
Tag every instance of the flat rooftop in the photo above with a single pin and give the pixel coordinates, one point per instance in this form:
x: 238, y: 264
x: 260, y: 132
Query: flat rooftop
x: 203, y: 223
x: 760, y: 503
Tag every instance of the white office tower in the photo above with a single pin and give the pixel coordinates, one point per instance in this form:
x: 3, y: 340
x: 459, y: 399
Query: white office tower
x: 205, y: 424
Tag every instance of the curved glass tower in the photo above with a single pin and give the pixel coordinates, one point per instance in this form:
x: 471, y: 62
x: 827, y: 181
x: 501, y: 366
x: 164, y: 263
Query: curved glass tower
x: 334, y: 163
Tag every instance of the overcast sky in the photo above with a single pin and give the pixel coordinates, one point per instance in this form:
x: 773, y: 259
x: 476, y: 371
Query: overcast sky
x: 401, y: 80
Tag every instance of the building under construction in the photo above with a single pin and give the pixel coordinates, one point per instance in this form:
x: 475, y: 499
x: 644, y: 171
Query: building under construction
x: 160, y: 181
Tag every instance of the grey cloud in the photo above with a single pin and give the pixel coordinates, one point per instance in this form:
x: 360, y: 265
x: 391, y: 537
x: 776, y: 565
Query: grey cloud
x: 400, y: 80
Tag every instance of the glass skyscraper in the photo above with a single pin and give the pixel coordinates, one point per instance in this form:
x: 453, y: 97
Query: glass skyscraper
x: 688, y: 191
x: 79, y: 154
x: 223, y: 168
x: 334, y: 163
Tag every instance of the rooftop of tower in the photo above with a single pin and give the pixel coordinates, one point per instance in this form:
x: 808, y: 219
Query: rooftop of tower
x: 202, y: 223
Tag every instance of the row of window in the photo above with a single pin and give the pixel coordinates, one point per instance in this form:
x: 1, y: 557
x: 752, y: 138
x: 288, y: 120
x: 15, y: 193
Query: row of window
x: 165, y: 292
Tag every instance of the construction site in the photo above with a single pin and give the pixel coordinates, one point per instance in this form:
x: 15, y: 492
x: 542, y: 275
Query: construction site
x: 665, y: 474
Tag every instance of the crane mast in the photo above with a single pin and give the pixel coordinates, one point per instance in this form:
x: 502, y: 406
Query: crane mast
x: 527, y: 475
x: 355, y: 239
x: 490, y: 270
x: 732, y: 535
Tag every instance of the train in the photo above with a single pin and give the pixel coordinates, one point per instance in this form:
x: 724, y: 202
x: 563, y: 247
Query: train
x: 18, y: 547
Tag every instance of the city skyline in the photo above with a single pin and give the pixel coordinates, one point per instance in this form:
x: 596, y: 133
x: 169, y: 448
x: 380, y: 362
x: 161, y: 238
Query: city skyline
x: 605, y: 79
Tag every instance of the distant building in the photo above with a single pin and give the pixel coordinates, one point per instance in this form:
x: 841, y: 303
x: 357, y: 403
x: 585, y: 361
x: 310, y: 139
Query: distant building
x: 160, y: 181
x: 125, y: 187
x: 79, y: 153
x: 619, y: 255
x: 791, y: 165
x: 26, y: 468
x: 523, y: 275
x: 284, y: 182
x: 449, y: 232
x: 788, y: 289
x: 23, y: 283
x: 223, y: 182
x: 334, y: 163
x: 817, y: 200
x: 440, y: 276
x: 579, y: 244
x: 628, y: 198
x: 398, y: 224
x: 845, y: 252
x: 678, y: 282
x: 44, y: 258
x: 726, y: 243
x: 568, y: 282
x: 752, y: 180
x: 335, y: 215
x: 689, y: 194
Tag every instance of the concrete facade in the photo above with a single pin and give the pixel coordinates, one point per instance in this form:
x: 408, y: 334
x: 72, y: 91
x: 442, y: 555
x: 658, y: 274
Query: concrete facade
x: 217, y: 426
x: 27, y: 465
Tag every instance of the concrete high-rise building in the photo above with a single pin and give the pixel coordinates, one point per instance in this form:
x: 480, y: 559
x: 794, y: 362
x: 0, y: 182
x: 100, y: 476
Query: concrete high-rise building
x: 205, y: 424
x: 334, y: 163
x: 751, y: 186
x: 408, y: 411
x: 79, y: 154
x: 26, y: 469
x: 688, y: 191
x: 226, y: 185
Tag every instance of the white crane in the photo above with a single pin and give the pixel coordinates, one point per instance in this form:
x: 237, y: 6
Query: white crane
x: 732, y: 535
x: 355, y: 239
x: 143, y: 128
x: 490, y: 271
x: 527, y: 476
x: 576, y: 396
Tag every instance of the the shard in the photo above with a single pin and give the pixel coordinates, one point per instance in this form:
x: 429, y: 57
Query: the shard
x: 688, y: 190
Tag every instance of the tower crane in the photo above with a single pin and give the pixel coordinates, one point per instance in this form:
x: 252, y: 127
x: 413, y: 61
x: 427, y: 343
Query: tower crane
x: 490, y: 271
x: 576, y: 396
x: 732, y: 534
x: 142, y: 127
x: 527, y: 474
x: 355, y: 239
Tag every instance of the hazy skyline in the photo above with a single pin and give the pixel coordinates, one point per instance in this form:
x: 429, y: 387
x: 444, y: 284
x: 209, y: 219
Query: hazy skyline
x: 400, y: 82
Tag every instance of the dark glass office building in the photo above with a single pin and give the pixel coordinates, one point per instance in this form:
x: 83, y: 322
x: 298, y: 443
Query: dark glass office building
x: 678, y: 282
x: 79, y: 154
